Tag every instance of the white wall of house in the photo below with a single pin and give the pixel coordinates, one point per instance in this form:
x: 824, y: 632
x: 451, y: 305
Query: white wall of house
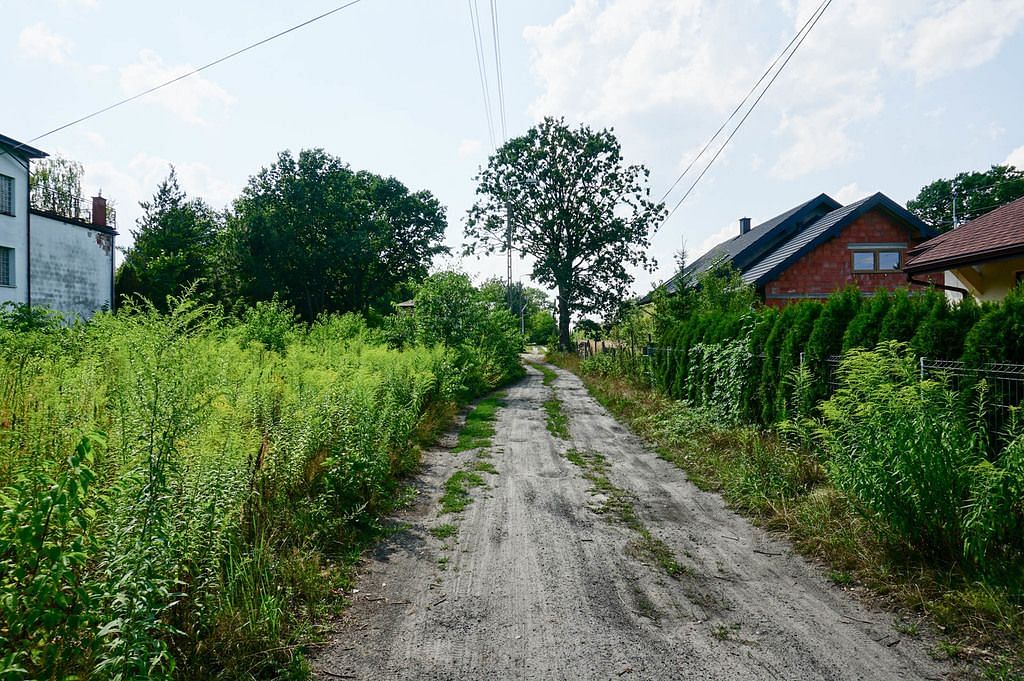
x: 13, y: 230
x: 71, y: 267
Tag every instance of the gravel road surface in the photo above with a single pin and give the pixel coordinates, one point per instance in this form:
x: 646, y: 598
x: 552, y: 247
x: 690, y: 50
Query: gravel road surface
x: 540, y: 581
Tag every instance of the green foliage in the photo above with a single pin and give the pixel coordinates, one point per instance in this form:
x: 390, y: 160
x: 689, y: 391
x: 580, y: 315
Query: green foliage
x: 557, y: 421
x: 999, y: 334
x: 865, y: 325
x: 456, y: 491
x: 326, y: 238
x: 901, y: 320
x: 976, y: 194
x: 565, y: 197
x: 912, y: 453
x: 56, y: 186
x: 479, y: 427
x: 268, y: 323
x: 173, y: 249
x: 203, y: 531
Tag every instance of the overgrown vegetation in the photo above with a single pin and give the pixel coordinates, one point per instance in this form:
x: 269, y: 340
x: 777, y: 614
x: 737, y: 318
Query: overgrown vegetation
x: 180, y: 493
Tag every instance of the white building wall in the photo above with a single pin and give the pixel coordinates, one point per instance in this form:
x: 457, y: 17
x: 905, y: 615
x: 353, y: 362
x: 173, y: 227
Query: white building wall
x: 71, y: 267
x: 13, y: 230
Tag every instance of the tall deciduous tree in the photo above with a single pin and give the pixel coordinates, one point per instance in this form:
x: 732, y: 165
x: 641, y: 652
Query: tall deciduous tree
x: 976, y: 194
x: 573, y: 205
x: 327, y: 239
x: 56, y: 185
x: 174, y: 246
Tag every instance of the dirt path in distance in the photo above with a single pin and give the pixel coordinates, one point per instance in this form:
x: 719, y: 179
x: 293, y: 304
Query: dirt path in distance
x: 590, y: 558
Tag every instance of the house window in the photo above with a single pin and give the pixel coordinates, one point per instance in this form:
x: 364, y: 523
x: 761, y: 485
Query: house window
x: 6, y: 266
x: 864, y: 261
x: 889, y: 261
x: 881, y: 260
x: 6, y: 195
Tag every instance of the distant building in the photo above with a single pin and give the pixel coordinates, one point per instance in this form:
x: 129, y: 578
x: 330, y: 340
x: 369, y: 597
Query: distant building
x: 983, y: 257
x: 60, y: 260
x: 817, y: 248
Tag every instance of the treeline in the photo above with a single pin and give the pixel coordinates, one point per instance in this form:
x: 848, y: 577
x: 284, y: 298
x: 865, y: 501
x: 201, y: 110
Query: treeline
x: 181, y: 491
x: 319, y: 236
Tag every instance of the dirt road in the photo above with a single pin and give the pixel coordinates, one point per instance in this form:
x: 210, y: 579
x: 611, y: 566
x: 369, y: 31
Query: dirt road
x: 560, y: 570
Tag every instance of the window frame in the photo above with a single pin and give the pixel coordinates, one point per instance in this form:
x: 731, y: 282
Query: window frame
x: 7, y: 184
x: 12, y: 280
x: 876, y: 252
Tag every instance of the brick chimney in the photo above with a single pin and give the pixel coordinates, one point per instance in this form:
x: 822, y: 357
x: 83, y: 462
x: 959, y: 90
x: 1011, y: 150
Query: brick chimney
x: 744, y: 225
x: 99, y: 211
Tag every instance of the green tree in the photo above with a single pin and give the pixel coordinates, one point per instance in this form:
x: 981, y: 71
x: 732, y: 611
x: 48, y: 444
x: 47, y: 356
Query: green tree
x: 173, y: 248
x: 328, y: 239
x: 976, y: 194
x: 56, y: 185
x: 565, y: 197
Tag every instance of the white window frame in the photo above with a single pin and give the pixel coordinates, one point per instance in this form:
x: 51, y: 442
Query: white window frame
x: 7, y: 257
x: 7, y: 202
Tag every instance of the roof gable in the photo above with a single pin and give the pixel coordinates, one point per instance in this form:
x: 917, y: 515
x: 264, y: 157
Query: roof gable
x: 745, y: 249
x: 995, y: 234
x: 775, y: 263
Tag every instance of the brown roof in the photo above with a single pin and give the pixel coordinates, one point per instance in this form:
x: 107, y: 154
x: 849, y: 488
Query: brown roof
x: 996, y: 234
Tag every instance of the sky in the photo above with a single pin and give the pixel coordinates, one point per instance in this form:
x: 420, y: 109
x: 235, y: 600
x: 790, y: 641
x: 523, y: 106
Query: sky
x: 882, y: 96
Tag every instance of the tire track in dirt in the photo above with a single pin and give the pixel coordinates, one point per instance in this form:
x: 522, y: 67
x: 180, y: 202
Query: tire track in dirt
x: 538, y: 585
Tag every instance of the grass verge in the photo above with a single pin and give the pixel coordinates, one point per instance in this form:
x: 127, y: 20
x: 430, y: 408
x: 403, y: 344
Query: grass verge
x: 782, y: 487
x: 478, y: 431
x: 558, y: 422
x: 549, y: 374
x: 619, y: 504
x: 456, y: 491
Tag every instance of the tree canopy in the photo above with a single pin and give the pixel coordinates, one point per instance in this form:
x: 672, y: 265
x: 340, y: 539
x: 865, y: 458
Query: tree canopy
x: 174, y: 246
x: 326, y: 238
x: 976, y: 194
x: 574, y: 206
x: 56, y: 185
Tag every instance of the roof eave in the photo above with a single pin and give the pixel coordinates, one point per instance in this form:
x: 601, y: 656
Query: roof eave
x: 978, y: 258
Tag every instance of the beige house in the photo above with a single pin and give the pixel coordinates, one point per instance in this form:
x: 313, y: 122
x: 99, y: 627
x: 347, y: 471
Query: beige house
x: 983, y: 258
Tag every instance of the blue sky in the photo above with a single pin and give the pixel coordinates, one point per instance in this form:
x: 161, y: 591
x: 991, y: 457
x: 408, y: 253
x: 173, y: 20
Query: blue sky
x: 883, y: 96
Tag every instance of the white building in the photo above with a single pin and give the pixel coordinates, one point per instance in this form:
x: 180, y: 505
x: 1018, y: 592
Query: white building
x: 63, y: 260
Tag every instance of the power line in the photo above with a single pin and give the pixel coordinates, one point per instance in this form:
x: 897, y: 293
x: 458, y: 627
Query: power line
x: 481, y: 65
x: 191, y: 73
x: 739, y: 106
x: 497, y: 67
x: 818, y: 14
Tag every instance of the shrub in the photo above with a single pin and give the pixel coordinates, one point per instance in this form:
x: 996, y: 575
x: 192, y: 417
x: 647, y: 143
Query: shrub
x: 905, y: 449
x: 865, y: 325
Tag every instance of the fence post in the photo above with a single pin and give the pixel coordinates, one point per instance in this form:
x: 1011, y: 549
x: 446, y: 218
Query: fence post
x: 801, y: 360
x: 921, y: 364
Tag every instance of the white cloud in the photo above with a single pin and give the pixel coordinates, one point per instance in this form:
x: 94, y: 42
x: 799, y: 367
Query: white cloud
x: 848, y: 193
x: 186, y: 98
x: 961, y: 36
x: 39, y: 42
x: 1016, y: 158
x: 710, y: 241
x: 616, y: 61
x: 601, y: 62
x: 469, y: 149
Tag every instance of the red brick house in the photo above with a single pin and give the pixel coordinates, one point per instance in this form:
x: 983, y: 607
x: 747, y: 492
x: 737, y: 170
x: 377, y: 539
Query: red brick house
x: 819, y: 247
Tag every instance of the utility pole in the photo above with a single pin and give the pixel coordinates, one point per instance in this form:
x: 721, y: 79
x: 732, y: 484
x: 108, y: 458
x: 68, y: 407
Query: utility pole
x: 508, y: 237
x: 954, y: 207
